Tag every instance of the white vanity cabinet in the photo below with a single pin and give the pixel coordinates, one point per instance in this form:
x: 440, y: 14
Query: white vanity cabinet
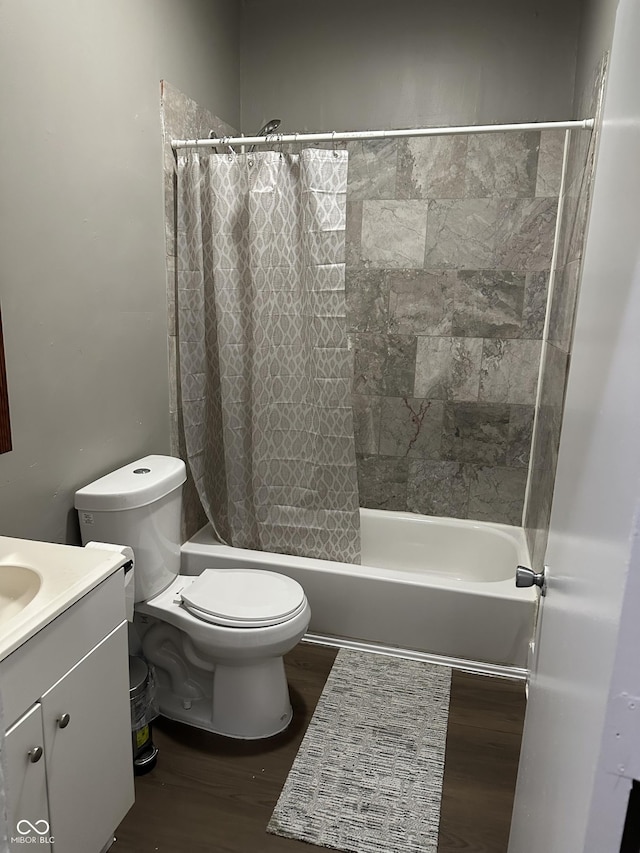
x: 28, y: 808
x: 68, y: 690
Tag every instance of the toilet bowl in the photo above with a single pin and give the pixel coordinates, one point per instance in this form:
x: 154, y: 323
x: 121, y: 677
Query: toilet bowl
x: 230, y: 677
x: 217, y: 640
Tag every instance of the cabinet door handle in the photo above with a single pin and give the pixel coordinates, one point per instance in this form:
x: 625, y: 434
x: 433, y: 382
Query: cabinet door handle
x: 64, y: 721
x: 35, y: 754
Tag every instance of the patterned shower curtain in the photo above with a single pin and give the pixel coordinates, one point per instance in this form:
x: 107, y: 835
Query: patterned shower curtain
x: 265, y: 368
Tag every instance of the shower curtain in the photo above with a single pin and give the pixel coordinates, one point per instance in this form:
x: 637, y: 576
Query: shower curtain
x: 265, y: 367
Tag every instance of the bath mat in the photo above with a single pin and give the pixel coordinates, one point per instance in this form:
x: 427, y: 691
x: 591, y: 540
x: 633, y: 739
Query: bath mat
x: 368, y: 775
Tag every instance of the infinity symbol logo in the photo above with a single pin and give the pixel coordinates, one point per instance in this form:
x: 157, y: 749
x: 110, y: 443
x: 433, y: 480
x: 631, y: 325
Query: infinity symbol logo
x: 40, y: 827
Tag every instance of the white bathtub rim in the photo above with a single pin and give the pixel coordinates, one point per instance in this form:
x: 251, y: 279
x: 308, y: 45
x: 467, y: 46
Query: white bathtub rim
x: 380, y: 528
x: 503, y: 589
x: 508, y: 530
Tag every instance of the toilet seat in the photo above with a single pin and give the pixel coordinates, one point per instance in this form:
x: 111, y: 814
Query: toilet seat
x: 243, y: 598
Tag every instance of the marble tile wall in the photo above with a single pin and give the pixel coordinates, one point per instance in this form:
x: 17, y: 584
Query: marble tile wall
x: 182, y: 118
x: 449, y: 247
x: 556, y: 347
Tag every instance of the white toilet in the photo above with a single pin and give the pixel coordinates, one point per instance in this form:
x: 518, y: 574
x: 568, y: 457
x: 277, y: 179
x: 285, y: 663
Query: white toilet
x: 217, y: 640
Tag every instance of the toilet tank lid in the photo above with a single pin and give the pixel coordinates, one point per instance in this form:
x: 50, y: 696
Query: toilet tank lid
x: 134, y: 485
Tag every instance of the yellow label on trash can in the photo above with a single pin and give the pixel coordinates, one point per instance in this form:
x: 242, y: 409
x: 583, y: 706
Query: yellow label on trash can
x: 142, y: 736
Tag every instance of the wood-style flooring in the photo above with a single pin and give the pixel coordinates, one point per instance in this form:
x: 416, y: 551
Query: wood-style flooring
x: 210, y: 794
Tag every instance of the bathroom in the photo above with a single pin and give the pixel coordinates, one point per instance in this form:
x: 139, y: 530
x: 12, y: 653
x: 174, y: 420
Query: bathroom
x: 84, y: 291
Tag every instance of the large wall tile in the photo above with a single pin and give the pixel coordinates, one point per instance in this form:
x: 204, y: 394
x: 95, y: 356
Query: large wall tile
x: 366, y: 423
x: 575, y: 203
x: 372, y: 169
x: 520, y: 434
x: 578, y: 181
x: 438, y: 488
x: 534, y: 309
x: 509, y: 372
x: 578, y: 156
x: 448, y: 368
x: 382, y: 482
x: 488, y: 303
x: 524, y: 236
x: 545, y: 450
x: 353, y: 233
x: 432, y: 167
x: 461, y: 234
x: 468, y: 316
x: 578, y: 232
x: 475, y: 433
x: 420, y: 302
x: 563, y: 305
x: 580, y: 189
x: 411, y: 427
x: 543, y: 469
x: 174, y: 433
x: 393, y: 233
x: 554, y: 376
x: 178, y: 111
x: 502, y: 165
x: 497, y: 494
x: 367, y: 300
x: 550, y: 163
x: 384, y: 365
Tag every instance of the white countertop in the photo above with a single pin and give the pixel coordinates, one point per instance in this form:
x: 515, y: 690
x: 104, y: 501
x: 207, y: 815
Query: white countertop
x: 66, y: 573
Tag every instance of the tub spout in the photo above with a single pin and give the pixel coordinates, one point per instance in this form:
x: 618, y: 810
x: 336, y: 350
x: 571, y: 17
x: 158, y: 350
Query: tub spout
x: 160, y: 645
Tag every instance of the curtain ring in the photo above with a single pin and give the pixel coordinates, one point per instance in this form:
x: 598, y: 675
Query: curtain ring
x: 333, y: 143
x: 230, y: 151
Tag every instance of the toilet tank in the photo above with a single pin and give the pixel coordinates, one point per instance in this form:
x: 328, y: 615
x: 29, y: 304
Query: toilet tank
x: 139, y: 505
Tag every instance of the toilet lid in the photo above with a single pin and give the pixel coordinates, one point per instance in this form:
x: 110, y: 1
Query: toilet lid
x: 243, y: 598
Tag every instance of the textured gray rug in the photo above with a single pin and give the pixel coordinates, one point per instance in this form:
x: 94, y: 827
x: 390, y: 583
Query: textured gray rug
x: 368, y: 775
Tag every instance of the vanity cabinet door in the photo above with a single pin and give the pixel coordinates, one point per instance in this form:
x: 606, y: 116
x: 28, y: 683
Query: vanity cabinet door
x: 28, y: 813
x: 87, y: 732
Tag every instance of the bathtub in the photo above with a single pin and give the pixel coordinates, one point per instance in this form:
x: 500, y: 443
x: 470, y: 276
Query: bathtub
x: 433, y: 586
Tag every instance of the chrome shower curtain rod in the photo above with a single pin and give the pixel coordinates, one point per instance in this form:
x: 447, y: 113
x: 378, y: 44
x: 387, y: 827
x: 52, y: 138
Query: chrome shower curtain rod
x: 284, y: 138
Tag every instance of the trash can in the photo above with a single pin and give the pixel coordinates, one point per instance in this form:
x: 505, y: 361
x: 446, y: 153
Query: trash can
x: 143, y: 711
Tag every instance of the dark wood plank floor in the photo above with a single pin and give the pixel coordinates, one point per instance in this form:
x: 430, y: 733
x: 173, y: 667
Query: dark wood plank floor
x: 210, y: 793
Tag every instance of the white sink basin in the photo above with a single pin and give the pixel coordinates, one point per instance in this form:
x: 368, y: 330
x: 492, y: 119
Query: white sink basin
x: 40, y: 580
x: 19, y: 585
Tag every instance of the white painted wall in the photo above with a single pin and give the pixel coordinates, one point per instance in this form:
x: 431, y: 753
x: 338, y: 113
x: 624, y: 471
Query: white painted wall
x: 596, y: 33
x: 82, y: 281
x: 340, y: 65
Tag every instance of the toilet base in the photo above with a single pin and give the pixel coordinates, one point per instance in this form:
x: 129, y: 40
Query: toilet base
x: 247, y: 702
